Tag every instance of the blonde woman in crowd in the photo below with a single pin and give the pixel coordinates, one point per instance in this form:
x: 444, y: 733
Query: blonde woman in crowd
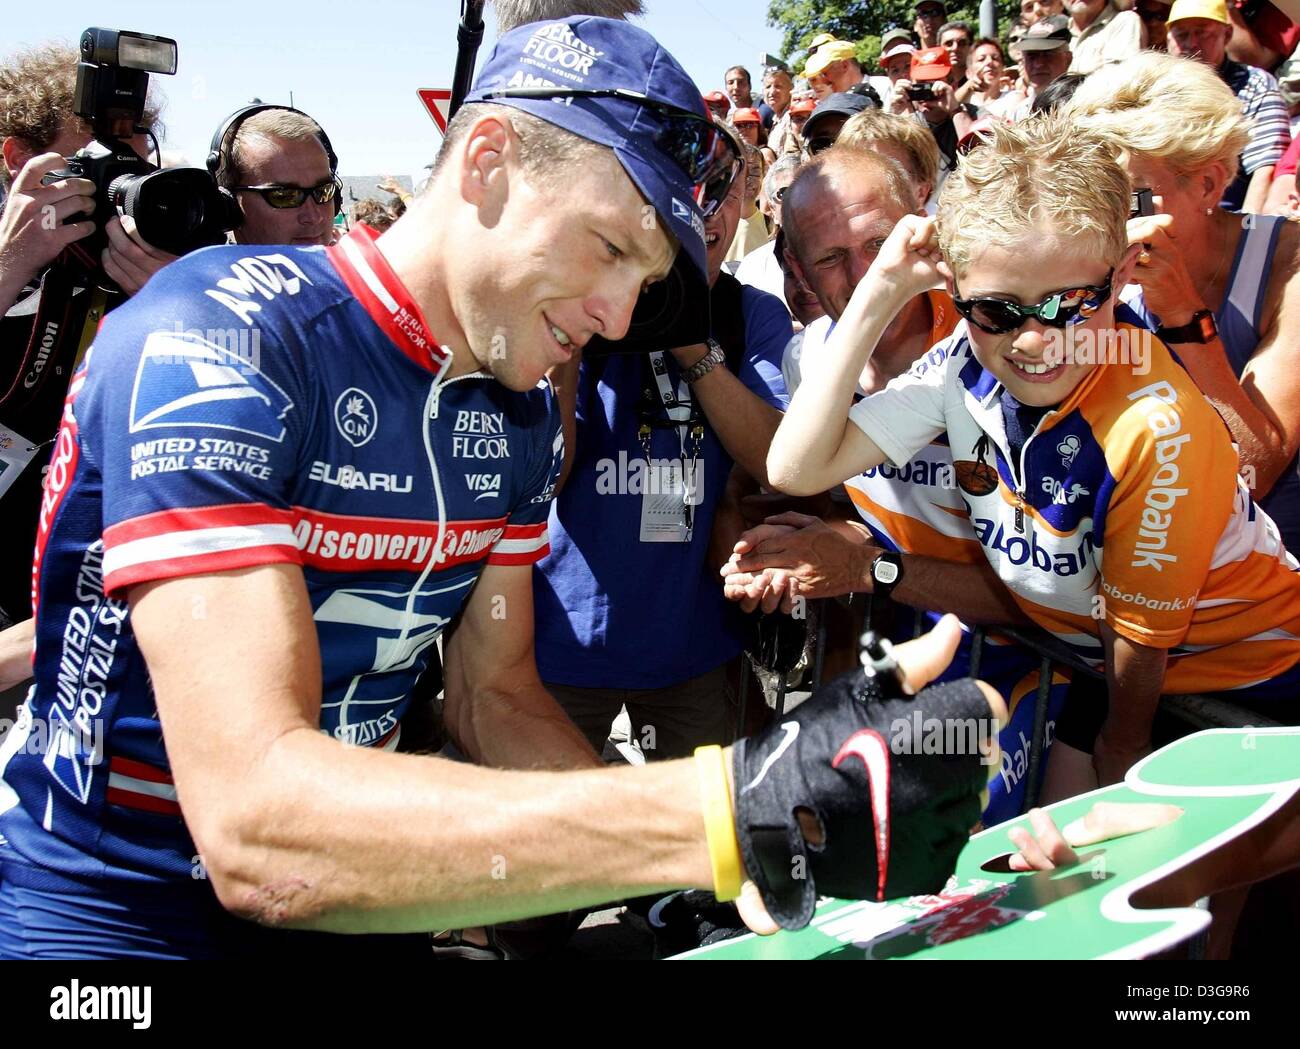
x: 1222, y: 287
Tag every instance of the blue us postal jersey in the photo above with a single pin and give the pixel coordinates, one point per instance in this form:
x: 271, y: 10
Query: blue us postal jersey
x: 255, y: 406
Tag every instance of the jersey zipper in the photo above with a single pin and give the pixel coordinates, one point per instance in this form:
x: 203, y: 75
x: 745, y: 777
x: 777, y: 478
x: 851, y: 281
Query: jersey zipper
x: 1021, y: 494
x: 1020, y: 489
x: 439, y: 385
x: 431, y: 414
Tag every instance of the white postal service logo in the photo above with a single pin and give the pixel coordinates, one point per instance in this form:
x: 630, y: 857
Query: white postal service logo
x: 356, y: 416
x: 685, y: 213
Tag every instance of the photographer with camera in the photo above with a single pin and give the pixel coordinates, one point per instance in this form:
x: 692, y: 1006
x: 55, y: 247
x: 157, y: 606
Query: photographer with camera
x: 926, y: 95
x: 44, y: 216
x: 37, y: 130
x: 279, y: 166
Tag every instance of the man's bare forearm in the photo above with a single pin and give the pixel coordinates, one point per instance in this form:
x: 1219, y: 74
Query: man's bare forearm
x: 1135, y: 676
x: 743, y: 421
x: 10, y: 289
x: 349, y: 840
x: 524, y: 729
x: 1257, y: 191
x: 16, y: 653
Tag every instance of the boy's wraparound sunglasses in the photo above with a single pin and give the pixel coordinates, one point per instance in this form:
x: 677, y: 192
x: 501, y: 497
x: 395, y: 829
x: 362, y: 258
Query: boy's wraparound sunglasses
x: 698, y: 146
x: 281, y: 196
x: 1059, y: 310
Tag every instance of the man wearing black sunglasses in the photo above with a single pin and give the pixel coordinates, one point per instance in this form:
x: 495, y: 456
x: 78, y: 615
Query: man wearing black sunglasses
x: 277, y: 166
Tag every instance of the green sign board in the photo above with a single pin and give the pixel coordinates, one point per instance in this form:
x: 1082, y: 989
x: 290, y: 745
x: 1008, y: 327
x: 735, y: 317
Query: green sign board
x: 1225, y: 780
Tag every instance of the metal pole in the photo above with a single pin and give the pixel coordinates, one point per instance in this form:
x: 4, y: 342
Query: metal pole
x: 989, y: 18
x: 745, y: 670
x: 976, y: 651
x: 819, y: 653
x: 469, y: 35
x: 1038, y: 741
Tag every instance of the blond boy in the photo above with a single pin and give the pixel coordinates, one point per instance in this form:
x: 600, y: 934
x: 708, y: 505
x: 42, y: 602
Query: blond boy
x: 1073, y: 437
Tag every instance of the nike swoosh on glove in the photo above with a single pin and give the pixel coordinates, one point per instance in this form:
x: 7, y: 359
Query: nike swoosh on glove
x: 893, y: 819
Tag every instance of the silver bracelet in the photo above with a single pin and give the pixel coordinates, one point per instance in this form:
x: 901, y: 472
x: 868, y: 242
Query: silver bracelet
x: 705, y: 364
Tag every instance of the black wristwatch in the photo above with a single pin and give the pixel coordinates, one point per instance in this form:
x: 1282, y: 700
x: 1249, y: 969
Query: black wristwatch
x: 1201, y: 328
x: 886, y: 573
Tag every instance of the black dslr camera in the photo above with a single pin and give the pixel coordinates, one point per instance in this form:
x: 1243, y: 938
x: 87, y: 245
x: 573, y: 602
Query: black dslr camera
x: 177, y: 209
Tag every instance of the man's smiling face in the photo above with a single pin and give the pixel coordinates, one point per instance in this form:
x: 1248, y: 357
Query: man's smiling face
x: 842, y: 224
x: 567, y: 260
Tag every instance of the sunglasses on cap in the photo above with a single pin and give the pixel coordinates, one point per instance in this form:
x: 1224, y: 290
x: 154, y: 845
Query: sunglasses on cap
x: 281, y: 196
x: 695, y: 143
x: 1059, y: 310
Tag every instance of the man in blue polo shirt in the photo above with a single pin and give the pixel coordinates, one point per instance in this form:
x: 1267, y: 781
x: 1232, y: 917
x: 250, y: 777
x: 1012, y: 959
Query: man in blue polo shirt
x: 628, y: 611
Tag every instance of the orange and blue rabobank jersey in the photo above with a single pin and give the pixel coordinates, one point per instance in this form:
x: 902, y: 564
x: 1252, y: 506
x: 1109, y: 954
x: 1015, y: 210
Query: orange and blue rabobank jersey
x: 911, y: 508
x: 1124, y: 506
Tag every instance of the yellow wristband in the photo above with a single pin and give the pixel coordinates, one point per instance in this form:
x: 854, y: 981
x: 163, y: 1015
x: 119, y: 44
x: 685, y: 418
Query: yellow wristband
x: 719, y: 825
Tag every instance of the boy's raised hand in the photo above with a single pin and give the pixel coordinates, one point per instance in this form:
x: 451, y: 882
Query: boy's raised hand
x: 909, y: 262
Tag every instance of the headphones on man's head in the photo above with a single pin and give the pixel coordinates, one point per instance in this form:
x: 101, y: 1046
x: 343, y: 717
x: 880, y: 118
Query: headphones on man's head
x: 230, y: 128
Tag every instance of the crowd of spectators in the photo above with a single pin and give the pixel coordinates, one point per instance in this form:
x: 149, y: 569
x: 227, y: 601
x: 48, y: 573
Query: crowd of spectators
x: 641, y: 617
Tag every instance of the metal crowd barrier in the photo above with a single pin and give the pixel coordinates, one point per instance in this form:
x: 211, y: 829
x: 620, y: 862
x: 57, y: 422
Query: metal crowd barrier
x: 1196, y: 711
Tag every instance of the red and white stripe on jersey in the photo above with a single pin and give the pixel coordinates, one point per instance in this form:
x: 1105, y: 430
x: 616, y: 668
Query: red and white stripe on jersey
x: 58, y: 479
x: 135, y: 785
x: 172, y: 543
x: 193, y: 541
x: 345, y: 543
x: 521, y: 545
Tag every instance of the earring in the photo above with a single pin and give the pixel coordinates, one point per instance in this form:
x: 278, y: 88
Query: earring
x: 1209, y: 211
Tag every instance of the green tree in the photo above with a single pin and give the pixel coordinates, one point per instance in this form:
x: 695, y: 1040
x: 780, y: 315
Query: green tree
x: 863, y: 21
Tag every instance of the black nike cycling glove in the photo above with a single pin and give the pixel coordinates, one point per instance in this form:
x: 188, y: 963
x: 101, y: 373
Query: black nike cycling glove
x: 893, y: 818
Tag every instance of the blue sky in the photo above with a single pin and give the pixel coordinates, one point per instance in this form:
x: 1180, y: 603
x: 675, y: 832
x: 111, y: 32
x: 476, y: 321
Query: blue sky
x: 355, y: 67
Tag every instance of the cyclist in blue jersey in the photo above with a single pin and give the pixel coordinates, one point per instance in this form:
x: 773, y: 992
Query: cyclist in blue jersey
x: 282, y: 472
